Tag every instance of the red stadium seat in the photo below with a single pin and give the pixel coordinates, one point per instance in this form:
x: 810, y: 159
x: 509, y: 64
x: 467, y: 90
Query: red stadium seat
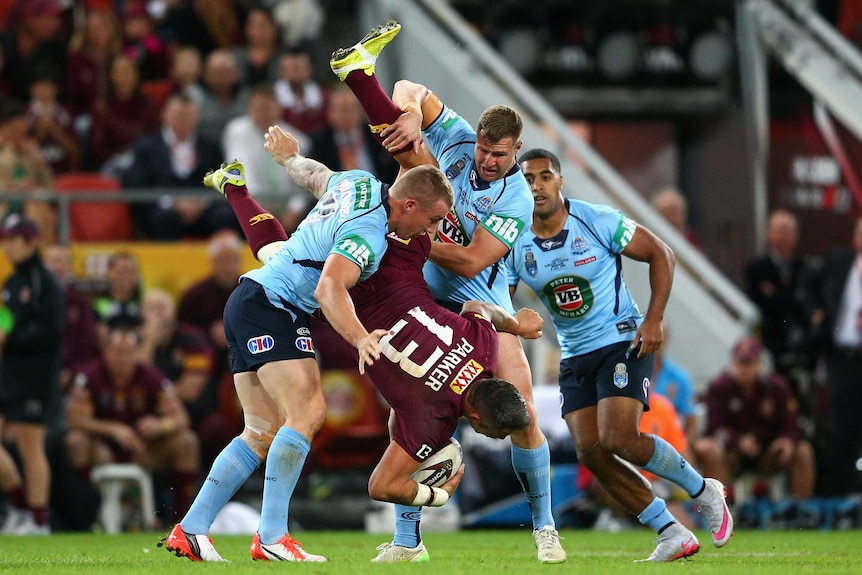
x: 109, y: 221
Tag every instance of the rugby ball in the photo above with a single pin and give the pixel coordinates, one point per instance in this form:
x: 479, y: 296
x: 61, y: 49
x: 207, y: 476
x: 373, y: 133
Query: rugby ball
x: 441, y: 466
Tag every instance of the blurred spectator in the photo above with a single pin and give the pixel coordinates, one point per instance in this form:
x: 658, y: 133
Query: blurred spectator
x: 222, y: 98
x: 185, y: 72
x: 22, y: 168
x: 300, y: 22
x: 31, y: 326
x: 122, y: 297
x: 122, y: 410
x: 91, y: 51
x: 33, y: 40
x: 120, y: 119
x: 347, y: 143
x: 204, y: 24
x: 80, y: 338
x: 302, y: 99
x: 673, y: 206
x: 177, y: 156
x: 257, y: 57
x: 183, y: 353
x: 673, y: 382
x: 755, y: 416
x: 202, y: 304
x: 141, y: 43
x: 773, y: 281
x: 834, y: 300
x: 266, y: 179
x: 50, y: 123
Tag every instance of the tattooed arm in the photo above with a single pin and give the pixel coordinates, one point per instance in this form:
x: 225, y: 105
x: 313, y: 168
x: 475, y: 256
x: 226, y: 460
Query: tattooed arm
x: 308, y: 174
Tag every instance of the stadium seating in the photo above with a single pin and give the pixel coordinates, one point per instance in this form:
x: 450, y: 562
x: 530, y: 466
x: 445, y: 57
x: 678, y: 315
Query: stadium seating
x: 95, y: 221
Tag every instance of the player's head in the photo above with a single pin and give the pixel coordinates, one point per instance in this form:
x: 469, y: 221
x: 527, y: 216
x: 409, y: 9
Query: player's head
x: 542, y: 170
x: 418, y: 200
x: 496, y: 408
x: 498, y: 140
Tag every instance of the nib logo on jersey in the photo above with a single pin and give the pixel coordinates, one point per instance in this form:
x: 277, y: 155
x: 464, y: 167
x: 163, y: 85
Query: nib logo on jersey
x: 356, y: 249
x: 569, y: 296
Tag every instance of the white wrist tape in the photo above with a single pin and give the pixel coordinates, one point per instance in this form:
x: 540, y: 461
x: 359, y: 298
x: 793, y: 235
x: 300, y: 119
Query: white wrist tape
x: 430, y: 496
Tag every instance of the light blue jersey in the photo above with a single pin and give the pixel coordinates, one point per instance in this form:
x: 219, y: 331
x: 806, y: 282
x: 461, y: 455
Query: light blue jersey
x: 675, y: 383
x: 350, y: 219
x: 578, y: 276
x: 503, y: 207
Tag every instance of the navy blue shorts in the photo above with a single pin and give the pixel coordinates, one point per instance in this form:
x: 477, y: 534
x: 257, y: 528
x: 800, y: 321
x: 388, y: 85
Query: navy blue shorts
x: 606, y: 372
x: 261, y: 327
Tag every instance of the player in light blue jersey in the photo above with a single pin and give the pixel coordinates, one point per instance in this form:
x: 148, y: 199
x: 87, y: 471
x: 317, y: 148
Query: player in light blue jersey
x: 267, y: 327
x: 493, y: 207
x: 571, y: 258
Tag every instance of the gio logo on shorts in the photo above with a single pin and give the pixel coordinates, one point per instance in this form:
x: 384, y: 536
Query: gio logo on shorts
x: 260, y: 344
x: 569, y: 296
x: 304, y: 344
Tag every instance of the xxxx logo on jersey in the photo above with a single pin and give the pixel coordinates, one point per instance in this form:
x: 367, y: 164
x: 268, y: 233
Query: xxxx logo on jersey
x: 450, y: 231
x: 569, y: 296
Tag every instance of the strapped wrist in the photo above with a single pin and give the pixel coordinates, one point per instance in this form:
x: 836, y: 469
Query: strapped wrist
x: 411, y: 107
x: 430, y: 496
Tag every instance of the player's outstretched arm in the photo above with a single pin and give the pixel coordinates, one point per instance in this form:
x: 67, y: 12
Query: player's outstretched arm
x: 526, y: 323
x: 308, y: 174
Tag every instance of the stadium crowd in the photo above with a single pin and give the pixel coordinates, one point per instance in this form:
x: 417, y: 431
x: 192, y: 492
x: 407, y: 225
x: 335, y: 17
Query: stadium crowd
x: 155, y: 94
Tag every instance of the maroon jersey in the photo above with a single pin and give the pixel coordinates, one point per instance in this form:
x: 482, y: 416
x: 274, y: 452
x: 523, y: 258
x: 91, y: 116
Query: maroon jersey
x: 125, y: 404
x: 430, y: 356
x: 768, y: 411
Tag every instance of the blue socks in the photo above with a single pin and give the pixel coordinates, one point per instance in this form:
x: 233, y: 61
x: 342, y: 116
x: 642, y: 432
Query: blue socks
x: 656, y: 515
x: 533, y: 469
x: 408, y: 532
x: 283, y: 466
x: 667, y: 463
x: 231, y: 468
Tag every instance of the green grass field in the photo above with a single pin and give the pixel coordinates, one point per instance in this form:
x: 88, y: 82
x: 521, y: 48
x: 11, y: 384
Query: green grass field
x: 461, y: 553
